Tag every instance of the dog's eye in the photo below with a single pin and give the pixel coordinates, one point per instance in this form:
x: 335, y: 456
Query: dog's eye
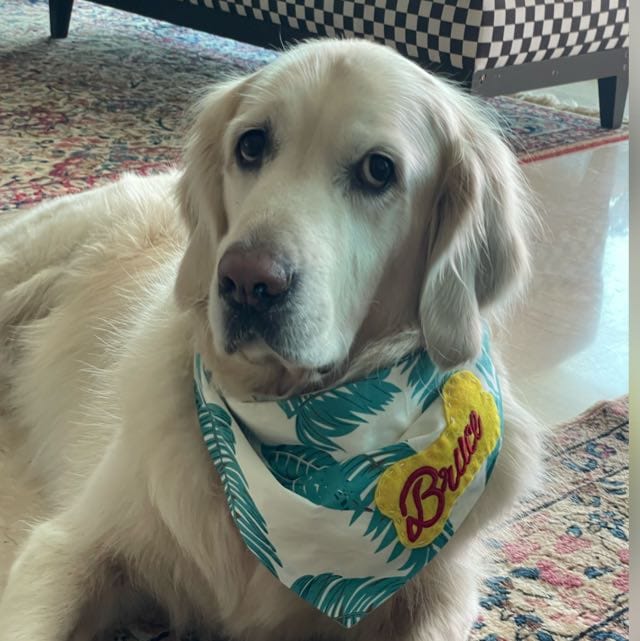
x: 376, y: 171
x: 251, y: 147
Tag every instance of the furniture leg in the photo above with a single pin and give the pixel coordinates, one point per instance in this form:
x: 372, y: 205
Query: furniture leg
x: 612, y: 94
x: 59, y: 17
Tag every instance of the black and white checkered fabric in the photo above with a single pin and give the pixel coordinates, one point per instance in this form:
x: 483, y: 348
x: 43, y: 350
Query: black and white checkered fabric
x: 464, y: 34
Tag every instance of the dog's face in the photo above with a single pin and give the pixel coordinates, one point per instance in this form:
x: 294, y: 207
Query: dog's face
x: 316, y: 185
x: 338, y: 196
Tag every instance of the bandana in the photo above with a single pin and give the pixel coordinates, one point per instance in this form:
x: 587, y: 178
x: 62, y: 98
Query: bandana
x: 345, y: 494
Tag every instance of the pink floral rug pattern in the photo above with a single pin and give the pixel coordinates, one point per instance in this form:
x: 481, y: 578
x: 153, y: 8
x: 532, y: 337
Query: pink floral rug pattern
x: 563, y: 564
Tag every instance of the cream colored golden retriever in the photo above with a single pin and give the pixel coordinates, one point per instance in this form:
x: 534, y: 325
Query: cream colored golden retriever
x: 358, y: 207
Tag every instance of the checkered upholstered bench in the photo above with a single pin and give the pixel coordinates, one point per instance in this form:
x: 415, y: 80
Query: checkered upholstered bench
x: 492, y: 46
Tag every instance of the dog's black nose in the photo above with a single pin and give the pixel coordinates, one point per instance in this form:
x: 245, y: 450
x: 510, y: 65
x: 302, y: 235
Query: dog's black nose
x: 253, y: 277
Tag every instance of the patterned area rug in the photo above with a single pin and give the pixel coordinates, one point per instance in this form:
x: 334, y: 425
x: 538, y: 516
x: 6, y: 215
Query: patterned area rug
x: 561, y: 565
x: 112, y: 96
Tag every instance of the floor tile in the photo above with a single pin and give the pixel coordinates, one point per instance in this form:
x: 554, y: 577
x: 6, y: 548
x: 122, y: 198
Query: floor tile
x: 567, y: 344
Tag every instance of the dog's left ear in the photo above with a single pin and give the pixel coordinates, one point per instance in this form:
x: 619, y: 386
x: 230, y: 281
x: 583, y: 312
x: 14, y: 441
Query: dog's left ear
x: 477, y: 250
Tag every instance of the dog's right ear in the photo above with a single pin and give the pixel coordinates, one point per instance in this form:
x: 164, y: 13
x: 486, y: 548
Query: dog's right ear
x: 199, y: 192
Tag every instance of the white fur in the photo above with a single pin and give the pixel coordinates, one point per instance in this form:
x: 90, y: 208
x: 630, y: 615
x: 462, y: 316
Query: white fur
x: 98, y: 345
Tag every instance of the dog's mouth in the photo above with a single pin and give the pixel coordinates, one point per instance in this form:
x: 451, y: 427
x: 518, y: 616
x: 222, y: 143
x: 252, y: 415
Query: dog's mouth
x: 265, y: 349
x: 263, y: 335
x: 245, y: 325
x: 266, y: 341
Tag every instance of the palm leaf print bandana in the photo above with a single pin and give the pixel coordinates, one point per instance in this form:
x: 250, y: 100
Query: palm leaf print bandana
x: 345, y: 494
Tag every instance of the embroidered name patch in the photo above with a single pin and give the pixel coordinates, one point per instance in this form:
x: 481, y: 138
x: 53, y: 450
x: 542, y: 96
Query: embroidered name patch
x: 417, y: 493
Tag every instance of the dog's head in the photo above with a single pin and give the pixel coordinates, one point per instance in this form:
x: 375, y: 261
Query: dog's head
x: 339, y: 196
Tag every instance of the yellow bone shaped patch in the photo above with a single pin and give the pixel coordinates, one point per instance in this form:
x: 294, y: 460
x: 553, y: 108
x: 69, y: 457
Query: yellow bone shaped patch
x: 418, y: 493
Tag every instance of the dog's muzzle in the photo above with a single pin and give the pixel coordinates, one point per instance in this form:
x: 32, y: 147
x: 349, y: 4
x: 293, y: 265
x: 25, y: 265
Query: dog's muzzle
x: 256, y: 288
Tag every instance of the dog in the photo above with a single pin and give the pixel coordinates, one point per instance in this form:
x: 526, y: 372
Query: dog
x: 335, y: 211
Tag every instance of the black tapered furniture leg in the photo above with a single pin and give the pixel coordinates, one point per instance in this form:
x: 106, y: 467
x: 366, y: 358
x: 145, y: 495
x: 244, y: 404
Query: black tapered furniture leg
x: 59, y: 17
x: 612, y: 94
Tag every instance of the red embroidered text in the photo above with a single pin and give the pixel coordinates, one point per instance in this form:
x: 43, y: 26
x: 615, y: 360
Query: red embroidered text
x: 430, y: 483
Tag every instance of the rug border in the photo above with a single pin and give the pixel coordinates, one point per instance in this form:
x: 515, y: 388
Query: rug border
x: 594, y: 409
x: 571, y: 148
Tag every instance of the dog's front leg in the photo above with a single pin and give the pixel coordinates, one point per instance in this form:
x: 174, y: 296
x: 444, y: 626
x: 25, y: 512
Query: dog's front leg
x: 48, y: 585
x: 64, y: 562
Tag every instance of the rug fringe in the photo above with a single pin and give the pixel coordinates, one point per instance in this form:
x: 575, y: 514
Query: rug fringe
x: 553, y: 102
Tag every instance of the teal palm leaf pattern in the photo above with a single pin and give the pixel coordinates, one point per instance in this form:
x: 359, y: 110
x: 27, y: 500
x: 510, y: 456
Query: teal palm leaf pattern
x: 380, y: 527
x: 492, y: 459
x: 345, y: 485
x: 487, y: 369
x: 322, y: 417
x: 215, y: 424
x: 346, y: 599
x: 290, y: 462
x: 350, y: 485
x: 485, y: 366
x: 424, y: 378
